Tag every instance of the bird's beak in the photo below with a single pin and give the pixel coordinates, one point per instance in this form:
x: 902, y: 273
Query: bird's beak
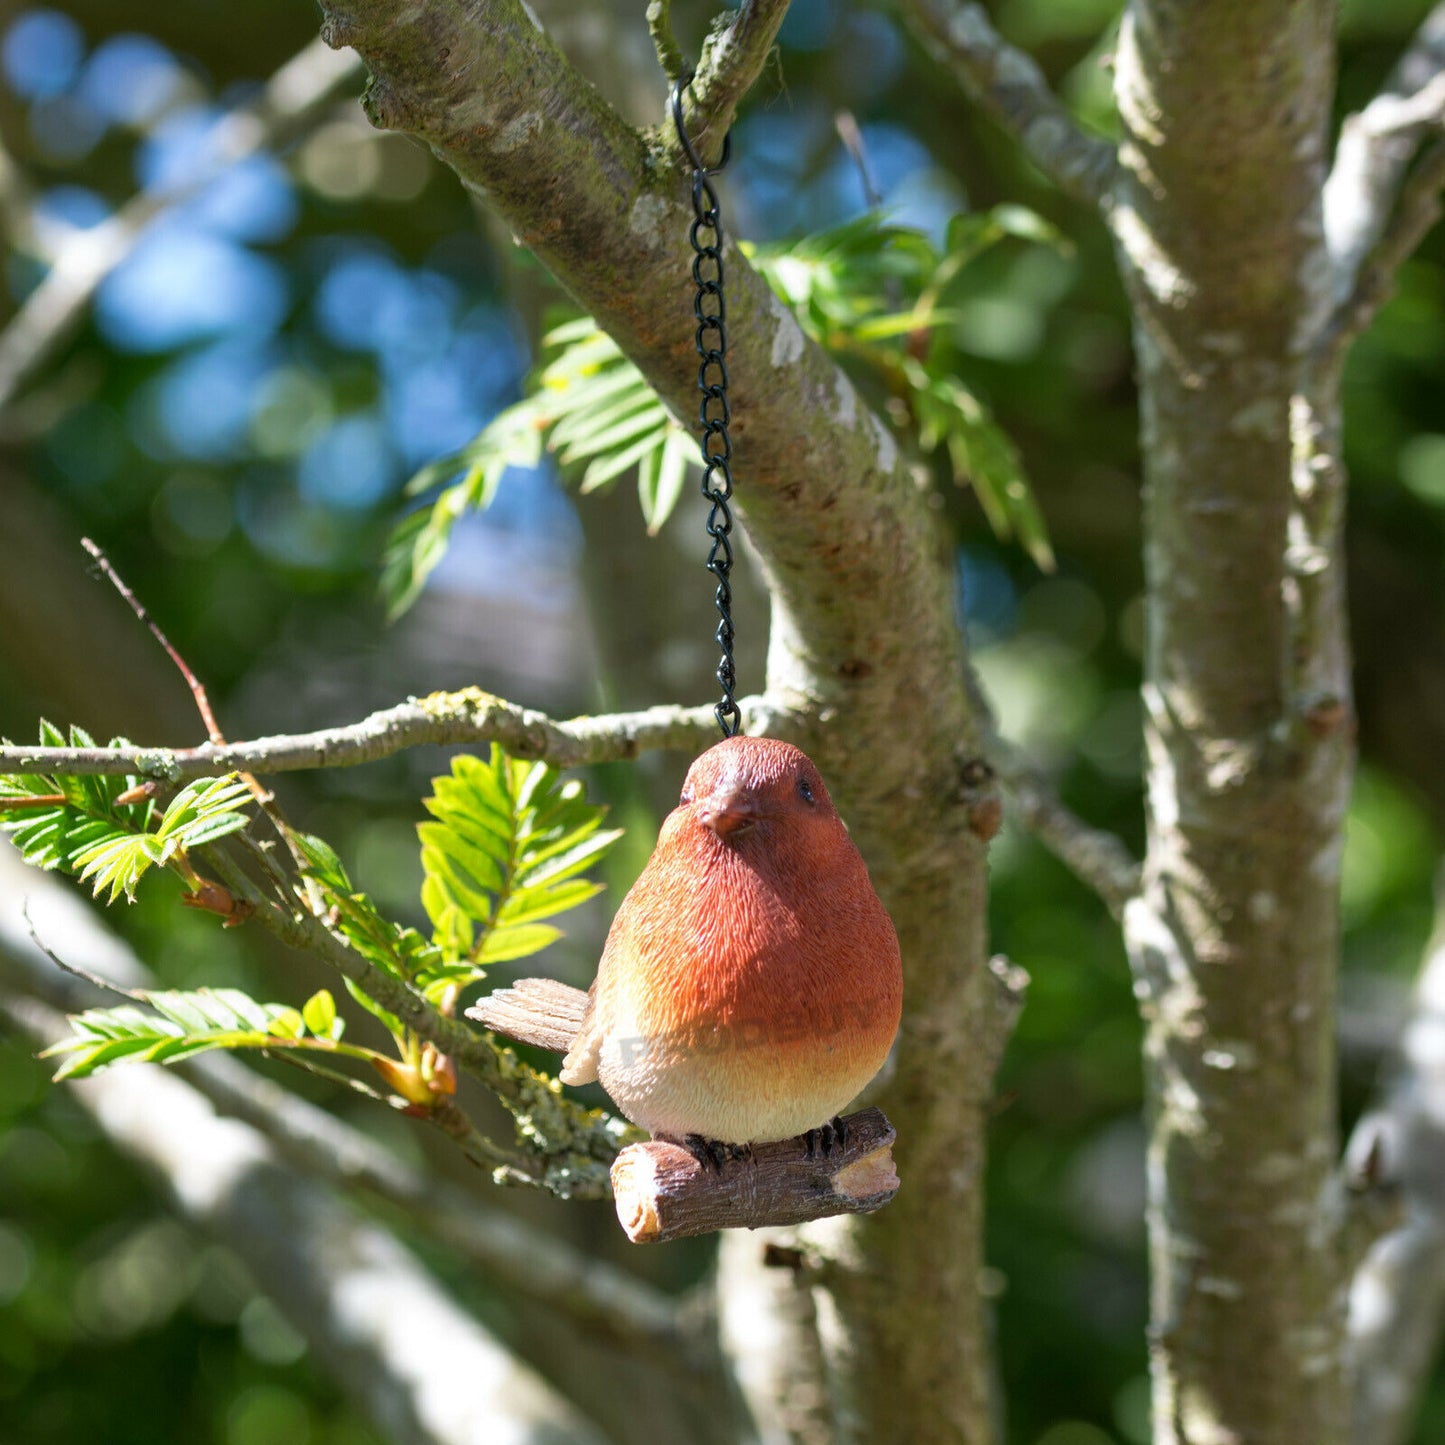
x: 727, y: 813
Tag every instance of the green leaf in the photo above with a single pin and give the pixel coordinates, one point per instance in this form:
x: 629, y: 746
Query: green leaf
x: 605, y: 468
x: 288, y: 1024
x: 202, y: 812
x: 323, y: 862
x: 116, y: 863
x: 516, y: 940
x: 389, y: 1020
x: 175, y: 1026
x: 419, y: 541
x: 982, y: 456
x: 319, y: 1013
x: 503, y: 851
x: 396, y: 950
x: 679, y: 452
x: 866, y: 288
x: 107, y: 843
x: 468, y: 849
x: 598, y: 416
x: 50, y: 836
x: 648, y: 419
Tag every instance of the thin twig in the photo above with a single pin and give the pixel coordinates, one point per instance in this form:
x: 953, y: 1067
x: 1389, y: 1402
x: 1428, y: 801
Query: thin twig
x: 733, y: 57
x: 352, y: 1085
x: 468, y: 716
x: 846, y: 124
x: 1097, y: 857
x: 1008, y: 84
x: 659, y: 26
x: 264, y: 797
x: 198, y: 691
x: 94, y: 979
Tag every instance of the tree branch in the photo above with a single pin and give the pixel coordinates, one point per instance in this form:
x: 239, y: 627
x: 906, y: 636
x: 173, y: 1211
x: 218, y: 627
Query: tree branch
x: 447, y: 718
x: 733, y: 57
x: 1376, y: 208
x: 574, y: 1145
x: 1096, y: 857
x: 309, y: 81
x: 1397, y: 1295
x: 1415, y: 212
x: 1008, y: 84
x: 782, y: 1371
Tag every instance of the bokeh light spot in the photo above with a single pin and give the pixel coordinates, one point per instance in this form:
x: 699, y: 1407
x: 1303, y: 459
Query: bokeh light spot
x: 41, y: 53
x: 350, y: 465
x: 181, y: 284
x: 131, y: 79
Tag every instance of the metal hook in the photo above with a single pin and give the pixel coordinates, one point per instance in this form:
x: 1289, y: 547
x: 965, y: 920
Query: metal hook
x: 678, y: 86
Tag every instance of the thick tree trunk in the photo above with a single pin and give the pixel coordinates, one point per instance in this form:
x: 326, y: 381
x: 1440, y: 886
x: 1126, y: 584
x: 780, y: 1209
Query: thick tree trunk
x: 1225, y: 110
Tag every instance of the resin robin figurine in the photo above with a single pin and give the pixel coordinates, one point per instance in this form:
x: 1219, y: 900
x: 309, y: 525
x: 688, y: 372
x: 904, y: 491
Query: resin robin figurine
x: 751, y: 983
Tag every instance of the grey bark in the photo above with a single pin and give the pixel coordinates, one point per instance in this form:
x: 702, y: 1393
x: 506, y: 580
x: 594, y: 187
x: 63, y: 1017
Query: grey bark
x: 1225, y: 111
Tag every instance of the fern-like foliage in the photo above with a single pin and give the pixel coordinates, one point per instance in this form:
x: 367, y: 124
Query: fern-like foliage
x: 875, y: 294
x: 507, y: 848
x: 834, y: 280
x: 175, y: 1025
x: 80, y: 825
x: 393, y: 947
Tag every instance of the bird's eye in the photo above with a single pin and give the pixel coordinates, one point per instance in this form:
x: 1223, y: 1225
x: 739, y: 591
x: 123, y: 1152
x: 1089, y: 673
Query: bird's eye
x: 805, y: 791
x: 686, y: 797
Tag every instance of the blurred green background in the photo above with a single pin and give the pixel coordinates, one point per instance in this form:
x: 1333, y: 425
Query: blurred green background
x: 233, y: 422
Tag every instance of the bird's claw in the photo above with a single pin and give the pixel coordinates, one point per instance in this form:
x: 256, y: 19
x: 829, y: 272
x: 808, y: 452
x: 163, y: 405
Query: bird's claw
x: 826, y: 1137
x: 714, y: 1153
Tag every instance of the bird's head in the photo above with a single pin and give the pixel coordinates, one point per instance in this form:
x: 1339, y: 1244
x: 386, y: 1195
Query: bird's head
x: 744, y: 782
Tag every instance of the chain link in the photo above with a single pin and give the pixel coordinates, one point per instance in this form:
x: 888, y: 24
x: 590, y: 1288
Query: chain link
x: 714, y: 413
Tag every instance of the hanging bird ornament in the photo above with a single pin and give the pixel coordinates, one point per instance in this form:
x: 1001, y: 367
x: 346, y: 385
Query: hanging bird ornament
x: 751, y: 984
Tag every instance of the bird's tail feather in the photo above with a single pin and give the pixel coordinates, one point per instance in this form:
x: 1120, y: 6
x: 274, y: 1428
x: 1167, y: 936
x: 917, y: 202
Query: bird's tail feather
x: 538, y: 1011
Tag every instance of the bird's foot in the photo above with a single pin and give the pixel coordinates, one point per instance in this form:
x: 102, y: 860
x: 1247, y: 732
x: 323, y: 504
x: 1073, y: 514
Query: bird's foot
x: 826, y: 1137
x: 714, y: 1153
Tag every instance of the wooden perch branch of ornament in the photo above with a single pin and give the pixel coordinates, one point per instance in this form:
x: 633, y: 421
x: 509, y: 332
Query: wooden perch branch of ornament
x: 666, y: 1191
x: 669, y: 1189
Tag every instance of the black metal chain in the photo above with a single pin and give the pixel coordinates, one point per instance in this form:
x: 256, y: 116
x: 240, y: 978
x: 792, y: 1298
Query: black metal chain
x: 714, y: 413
